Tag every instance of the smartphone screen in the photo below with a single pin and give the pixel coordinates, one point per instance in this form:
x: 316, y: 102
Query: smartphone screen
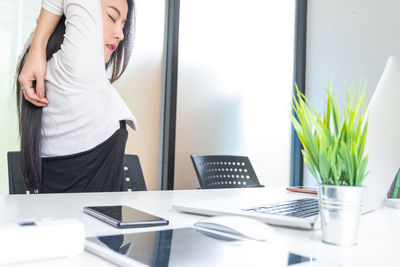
x: 124, y: 216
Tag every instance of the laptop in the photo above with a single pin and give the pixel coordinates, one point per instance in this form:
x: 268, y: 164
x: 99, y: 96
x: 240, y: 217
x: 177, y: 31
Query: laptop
x: 382, y: 146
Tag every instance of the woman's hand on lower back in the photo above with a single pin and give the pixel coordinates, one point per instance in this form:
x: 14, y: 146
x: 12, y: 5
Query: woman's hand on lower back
x: 33, y: 73
x: 32, y: 78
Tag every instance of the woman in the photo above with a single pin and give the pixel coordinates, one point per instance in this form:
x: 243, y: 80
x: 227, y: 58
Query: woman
x: 73, y: 133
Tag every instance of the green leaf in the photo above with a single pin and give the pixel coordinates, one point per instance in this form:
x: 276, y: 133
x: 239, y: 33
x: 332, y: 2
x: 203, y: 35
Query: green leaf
x: 309, y: 164
x: 361, y: 171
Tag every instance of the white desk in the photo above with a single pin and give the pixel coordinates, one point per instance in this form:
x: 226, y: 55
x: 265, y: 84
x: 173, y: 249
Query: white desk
x: 378, y: 242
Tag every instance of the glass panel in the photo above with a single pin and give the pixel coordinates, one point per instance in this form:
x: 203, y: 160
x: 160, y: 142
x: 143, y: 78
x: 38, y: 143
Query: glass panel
x: 235, y: 79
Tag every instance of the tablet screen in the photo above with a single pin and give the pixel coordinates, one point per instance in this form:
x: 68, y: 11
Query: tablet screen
x: 189, y: 247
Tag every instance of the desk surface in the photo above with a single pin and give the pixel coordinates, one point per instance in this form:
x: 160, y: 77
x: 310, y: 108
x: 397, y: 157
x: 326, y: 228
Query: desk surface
x: 378, y: 240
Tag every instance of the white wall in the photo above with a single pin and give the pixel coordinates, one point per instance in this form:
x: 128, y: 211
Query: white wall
x: 348, y: 40
x: 140, y: 87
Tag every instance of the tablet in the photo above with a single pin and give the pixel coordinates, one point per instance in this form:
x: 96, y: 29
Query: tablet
x: 189, y: 247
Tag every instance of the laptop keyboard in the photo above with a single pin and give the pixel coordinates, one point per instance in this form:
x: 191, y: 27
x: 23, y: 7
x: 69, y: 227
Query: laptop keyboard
x: 304, y: 207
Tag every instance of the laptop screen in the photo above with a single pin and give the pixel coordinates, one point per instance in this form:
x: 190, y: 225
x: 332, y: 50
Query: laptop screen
x: 382, y: 144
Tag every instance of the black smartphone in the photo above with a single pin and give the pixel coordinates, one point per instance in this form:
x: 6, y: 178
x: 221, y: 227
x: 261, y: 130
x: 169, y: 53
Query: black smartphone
x: 124, y: 216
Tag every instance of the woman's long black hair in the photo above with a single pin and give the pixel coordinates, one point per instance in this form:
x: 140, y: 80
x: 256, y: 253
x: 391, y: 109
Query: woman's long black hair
x: 30, y: 116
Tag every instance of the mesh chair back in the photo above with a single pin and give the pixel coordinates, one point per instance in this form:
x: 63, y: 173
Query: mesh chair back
x: 218, y: 171
x: 15, y: 181
x: 133, y: 175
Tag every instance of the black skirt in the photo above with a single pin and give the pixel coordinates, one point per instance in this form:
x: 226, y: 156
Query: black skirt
x: 99, y: 169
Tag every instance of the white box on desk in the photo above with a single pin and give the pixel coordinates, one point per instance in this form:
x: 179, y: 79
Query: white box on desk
x: 42, y: 239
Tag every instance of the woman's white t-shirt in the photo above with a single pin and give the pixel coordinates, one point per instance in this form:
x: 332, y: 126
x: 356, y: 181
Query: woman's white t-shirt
x: 84, y: 109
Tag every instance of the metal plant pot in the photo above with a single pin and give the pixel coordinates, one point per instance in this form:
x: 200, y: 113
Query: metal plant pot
x: 340, y: 208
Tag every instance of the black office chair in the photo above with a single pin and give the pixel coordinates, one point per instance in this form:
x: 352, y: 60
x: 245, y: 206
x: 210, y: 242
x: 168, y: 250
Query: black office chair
x: 218, y: 171
x: 133, y: 175
x: 15, y: 181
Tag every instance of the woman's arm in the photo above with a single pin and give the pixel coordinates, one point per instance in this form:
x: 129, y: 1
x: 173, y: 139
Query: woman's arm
x: 35, y: 65
x: 80, y: 62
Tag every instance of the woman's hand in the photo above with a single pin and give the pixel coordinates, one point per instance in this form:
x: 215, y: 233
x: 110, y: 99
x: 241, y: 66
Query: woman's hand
x: 33, y: 73
x: 32, y: 77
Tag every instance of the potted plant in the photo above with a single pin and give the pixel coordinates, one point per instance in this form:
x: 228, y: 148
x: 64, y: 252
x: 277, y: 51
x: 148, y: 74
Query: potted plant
x: 333, y: 151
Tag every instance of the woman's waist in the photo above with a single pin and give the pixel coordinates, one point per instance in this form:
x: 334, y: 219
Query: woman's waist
x: 71, y: 138
x: 83, y: 148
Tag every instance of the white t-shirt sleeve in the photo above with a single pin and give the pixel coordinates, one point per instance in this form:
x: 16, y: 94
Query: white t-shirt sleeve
x: 81, y: 57
x: 53, y: 6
